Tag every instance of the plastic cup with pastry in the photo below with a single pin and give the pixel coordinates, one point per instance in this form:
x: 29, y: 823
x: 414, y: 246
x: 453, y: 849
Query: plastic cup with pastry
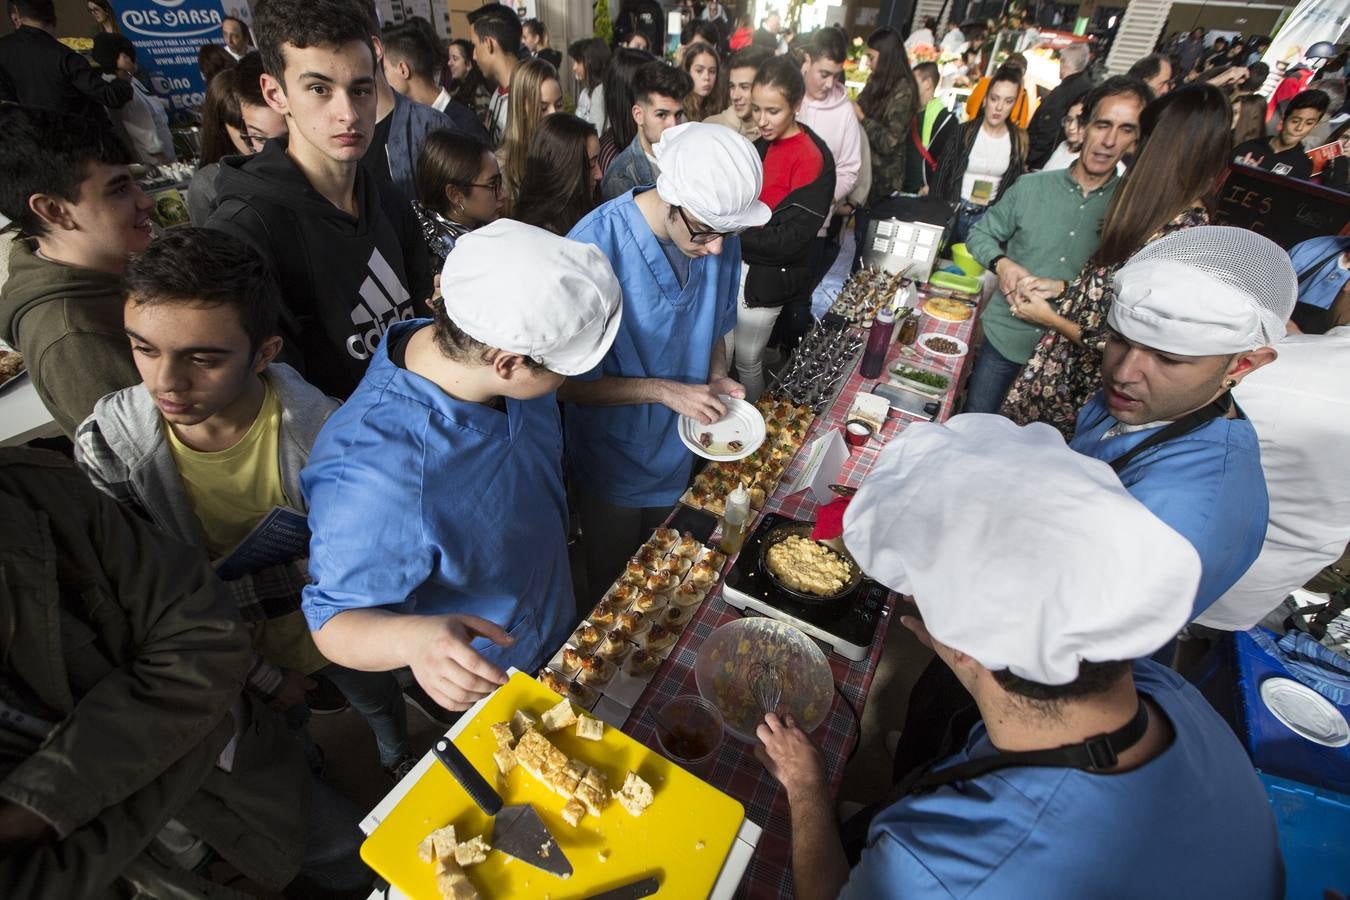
x: 689, y: 730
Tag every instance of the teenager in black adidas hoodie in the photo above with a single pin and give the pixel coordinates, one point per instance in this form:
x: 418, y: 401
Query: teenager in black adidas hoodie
x: 350, y: 262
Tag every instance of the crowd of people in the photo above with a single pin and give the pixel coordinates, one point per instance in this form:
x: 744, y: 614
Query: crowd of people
x: 1306, y: 109
x: 454, y: 325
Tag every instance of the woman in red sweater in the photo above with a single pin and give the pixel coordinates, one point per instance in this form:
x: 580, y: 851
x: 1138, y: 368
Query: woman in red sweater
x: 799, y: 188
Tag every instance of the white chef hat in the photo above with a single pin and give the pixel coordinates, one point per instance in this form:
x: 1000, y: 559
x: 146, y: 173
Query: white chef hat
x: 1020, y: 552
x: 1205, y: 291
x: 525, y: 290
x: 713, y: 173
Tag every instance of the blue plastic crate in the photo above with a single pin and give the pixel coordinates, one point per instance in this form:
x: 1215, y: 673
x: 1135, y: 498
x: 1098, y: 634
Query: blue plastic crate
x: 1314, y: 826
x: 1274, y: 748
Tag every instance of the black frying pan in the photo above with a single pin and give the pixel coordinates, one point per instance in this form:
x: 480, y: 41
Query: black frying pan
x: 803, y: 529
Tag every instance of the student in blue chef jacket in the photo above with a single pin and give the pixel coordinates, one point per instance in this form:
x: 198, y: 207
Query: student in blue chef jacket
x: 435, y: 492
x: 1089, y: 775
x: 1195, y: 313
x: 675, y: 252
x: 1323, y: 267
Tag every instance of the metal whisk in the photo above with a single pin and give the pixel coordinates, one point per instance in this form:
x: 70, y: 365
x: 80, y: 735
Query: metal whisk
x: 766, y: 683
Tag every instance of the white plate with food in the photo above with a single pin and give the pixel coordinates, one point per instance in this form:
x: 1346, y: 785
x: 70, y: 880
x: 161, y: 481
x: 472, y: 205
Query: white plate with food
x: 734, y: 436
x: 942, y: 345
x: 1305, y: 712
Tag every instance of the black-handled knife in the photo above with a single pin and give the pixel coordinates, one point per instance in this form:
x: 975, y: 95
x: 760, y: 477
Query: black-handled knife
x: 644, y: 887
x: 488, y: 800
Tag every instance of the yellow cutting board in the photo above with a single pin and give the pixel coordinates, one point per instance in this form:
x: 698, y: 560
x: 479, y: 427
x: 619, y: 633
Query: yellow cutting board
x: 682, y: 838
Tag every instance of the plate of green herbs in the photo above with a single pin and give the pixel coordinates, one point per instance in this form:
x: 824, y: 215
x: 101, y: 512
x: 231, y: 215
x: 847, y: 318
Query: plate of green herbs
x: 922, y: 380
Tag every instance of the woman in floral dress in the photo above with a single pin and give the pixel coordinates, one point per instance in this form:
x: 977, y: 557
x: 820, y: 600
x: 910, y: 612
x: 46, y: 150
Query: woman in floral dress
x: 1185, y: 144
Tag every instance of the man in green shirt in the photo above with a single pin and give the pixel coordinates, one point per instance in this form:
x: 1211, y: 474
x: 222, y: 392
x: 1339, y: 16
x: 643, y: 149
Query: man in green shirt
x: 1048, y: 225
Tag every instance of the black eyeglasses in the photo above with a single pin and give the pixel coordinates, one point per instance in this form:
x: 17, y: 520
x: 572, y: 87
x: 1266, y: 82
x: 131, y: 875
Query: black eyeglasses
x: 493, y: 184
x: 702, y: 237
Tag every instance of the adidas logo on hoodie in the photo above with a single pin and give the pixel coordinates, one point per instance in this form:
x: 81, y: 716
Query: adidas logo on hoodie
x: 384, y: 301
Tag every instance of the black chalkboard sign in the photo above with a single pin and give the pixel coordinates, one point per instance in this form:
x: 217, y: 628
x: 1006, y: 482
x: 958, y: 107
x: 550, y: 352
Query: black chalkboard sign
x: 1286, y: 210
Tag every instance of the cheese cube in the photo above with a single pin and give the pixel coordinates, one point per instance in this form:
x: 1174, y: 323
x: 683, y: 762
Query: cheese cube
x: 573, y: 812
x: 452, y: 882
x: 522, y: 721
x: 558, y: 717
x: 501, y: 731
x: 563, y: 785
x: 505, y: 760
x: 635, y: 795
x: 443, y: 841
x: 533, y: 743
x: 594, y: 799
x: 589, y: 728
x: 471, y: 852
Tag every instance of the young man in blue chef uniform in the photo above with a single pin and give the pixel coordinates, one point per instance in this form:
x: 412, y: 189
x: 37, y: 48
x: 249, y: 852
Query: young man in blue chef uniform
x: 1089, y: 775
x: 675, y: 251
x: 1195, y: 313
x: 436, y: 494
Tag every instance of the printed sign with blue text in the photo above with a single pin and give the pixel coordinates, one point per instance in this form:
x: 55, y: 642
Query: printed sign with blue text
x: 167, y: 35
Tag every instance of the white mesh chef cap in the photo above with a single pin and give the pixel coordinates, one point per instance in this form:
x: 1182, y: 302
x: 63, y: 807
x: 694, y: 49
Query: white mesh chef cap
x: 1205, y: 291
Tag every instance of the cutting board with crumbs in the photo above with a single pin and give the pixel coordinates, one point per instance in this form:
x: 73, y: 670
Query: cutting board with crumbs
x: 683, y: 837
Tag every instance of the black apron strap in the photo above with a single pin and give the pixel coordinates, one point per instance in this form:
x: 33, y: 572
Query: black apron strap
x: 1093, y: 755
x: 1317, y: 267
x: 1183, y: 426
x: 1096, y: 754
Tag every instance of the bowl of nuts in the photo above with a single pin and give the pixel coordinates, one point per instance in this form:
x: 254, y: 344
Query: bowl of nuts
x: 943, y: 346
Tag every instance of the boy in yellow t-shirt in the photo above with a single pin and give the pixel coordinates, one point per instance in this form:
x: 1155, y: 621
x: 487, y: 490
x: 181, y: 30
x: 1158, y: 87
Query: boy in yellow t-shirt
x: 214, y: 440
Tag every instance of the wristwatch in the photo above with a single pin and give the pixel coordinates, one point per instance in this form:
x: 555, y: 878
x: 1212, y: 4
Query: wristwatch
x: 993, y: 263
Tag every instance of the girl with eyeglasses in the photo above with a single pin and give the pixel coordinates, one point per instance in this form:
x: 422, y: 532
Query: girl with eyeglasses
x: 105, y: 20
x: 236, y: 120
x: 1069, y: 148
x: 459, y: 188
x: 799, y: 188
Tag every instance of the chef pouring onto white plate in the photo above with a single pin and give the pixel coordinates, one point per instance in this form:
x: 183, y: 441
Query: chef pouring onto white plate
x: 1092, y: 772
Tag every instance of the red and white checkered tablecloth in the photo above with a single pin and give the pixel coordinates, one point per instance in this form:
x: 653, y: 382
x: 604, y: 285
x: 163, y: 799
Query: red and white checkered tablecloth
x: 802, y: 505
x: 735, y: 769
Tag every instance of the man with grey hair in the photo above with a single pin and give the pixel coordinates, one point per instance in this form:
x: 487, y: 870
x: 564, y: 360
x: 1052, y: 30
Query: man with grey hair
x: 1046, y: 131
